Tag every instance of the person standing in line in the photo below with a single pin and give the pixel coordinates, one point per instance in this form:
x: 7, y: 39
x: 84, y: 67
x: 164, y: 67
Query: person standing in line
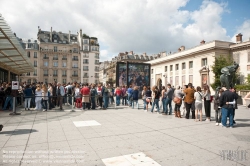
x: 235, y: 105
x: 189, y: 99
x: 38, y: 98
x: 124, y: 95
x: 54, y: 95
x: 93, y: 94
x: 217, y: 107
x: 45, y: 97
x: 60, y: 91
x: 105, y: 94
x: 148, y: 97
x: 118, y: 93
x: 164, y: 100
x: 144, y: 97
x: 207, y: 102
x: 169, y: 98
x: 27, y: 97
x: 155, y: 97
x: 198, y: 96
x: 100, y: 98
x: 50, y: 91
x: 77, y: 95
x: 227, y: 101
x: 129, y: 92
x: 85, y: 96
x: 135, y: 96
x: 178, y: 93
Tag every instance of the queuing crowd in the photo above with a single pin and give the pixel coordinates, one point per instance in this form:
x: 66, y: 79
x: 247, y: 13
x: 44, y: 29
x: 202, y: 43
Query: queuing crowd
x: 39, y: 96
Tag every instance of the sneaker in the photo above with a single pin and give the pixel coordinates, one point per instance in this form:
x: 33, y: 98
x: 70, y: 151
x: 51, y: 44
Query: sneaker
x: 216, y: 124
x: 231, y: 127
x: 223, y: 126
x: 220, y: 124
x: 44, y: 110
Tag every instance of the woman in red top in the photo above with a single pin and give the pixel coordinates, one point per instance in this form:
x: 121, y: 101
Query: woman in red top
x: 85, y: 97
x: 118, y: 93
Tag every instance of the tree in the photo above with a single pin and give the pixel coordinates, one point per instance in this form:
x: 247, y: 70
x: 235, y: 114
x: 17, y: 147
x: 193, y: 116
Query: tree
x: 219, y: 63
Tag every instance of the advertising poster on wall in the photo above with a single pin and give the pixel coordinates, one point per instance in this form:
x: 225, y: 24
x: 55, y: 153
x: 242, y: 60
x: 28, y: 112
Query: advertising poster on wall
x: 138, y: 74
x: 121, y: 74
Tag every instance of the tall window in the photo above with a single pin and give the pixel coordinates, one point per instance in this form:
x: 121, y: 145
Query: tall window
x: 171, y: 67
x: 45, y: 64
x: 248, y: 56
x: 64, y: 81
x: 204, y: 62
x: 55, y: 57
x: 177, y: 67
x: 54, y: 72
x: 55, y: 48
x: 75, y: 58
x: 190, y: 64
x: 183, y: 80
x: 86, y: 48
x: 176, y: 80
x: 45, y: 72
x: 64, y: 64
x: 85, y: 75
x: 166, y: 68
x: 96, y: 62
x: 64, y: 57
x: 35, y: 63
x: 28, y: 54
x: 64, y: 72
x: 85, y: 41
x: 191, y: 79
x: 35, y: 54
x: 45, y: 56
x: 55, y: 64
x: 183, y: 66
x: 35, y: 72
x: 75, y: 73
x: 74, y: 65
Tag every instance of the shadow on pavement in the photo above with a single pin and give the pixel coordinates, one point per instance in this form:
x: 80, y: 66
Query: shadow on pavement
x: 19, y: 132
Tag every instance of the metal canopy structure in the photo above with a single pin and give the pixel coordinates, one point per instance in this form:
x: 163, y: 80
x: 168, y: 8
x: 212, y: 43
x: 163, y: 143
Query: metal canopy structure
x: 12, y: 55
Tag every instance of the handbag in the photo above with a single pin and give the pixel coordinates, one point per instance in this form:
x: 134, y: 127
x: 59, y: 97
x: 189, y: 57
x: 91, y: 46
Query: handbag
x: 177, y: 100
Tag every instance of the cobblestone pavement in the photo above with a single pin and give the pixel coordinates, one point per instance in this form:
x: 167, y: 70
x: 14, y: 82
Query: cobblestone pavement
x: 121, y: 136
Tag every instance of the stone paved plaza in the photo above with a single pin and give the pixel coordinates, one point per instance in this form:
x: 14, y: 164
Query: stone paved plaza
x: 121, y: 137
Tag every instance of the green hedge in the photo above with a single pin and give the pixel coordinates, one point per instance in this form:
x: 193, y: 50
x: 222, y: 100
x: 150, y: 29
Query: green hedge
x: 242, y: 87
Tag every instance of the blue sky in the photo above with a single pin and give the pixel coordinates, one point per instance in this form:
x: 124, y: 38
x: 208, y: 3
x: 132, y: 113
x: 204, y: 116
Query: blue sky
x: 142, y: 26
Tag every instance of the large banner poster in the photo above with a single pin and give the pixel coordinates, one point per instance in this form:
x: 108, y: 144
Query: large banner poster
x: 121, y: 74
x: 135, y: 74
x: 138, y: 74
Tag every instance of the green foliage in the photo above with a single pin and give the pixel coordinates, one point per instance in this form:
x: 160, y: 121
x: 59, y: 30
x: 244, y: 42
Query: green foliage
x: 248, y: 79
x: 243, y: 87
x: 219, y: 63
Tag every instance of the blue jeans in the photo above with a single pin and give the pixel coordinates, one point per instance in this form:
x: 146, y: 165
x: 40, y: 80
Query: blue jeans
x: 105, y: 101
x: 45, y: 104
x: 144, y: 104
x: 129, y: 102
x: 136, y: 102
x: 118, y: 98
x: 169, y: 102
x: 156, y: 102
x: 93, y: 102
x: 7, y: 100
x: 164, y: 105
x: 224, y: 113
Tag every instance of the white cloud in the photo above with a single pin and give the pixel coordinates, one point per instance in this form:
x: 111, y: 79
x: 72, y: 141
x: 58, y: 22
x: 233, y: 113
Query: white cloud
x: 244, y: 29
x: 125, y: 25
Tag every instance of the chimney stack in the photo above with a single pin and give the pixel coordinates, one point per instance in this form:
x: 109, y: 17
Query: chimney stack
x: 202, y: 42
x: 51, y: 34
x: 239, y: 38
x: 69, y: 36
x: 182, y: 48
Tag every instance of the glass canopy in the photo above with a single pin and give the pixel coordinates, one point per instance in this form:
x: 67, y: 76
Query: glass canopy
x: 12, y: 55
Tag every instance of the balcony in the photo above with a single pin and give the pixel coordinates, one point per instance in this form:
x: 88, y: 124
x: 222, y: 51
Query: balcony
x: 35, y: 65
x: 74, y: 75
x: 64, y: 58
x: 75, y: 67
x: 97, y: 57
x: 45, y: 57
x: 55, y: 75
x: 96, y: 76
x: 85, y: 76
x: 85, y: 69
x: 34, y: 74
x: 55, y: 58
x: 97, y: 63
x: 64, y: 75
x: 45, y: 74
x: 74, y: 59
x: 75, y: 51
